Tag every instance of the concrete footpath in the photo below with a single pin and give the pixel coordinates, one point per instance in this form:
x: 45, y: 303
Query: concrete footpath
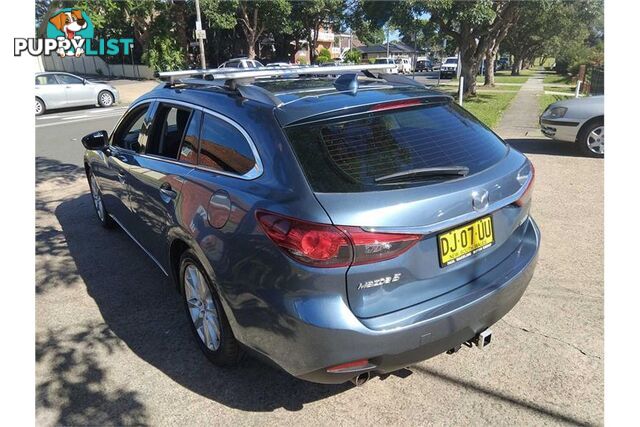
x: 130, y: 90
x: 521, y: 118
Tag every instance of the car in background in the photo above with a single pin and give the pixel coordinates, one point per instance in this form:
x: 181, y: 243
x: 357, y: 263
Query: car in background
x: 390, y: 61
x: 502, y: 64
x: 579, y: 120
x: 276, y: 215
x: 449, y: 67
x: 241, y: 63
x: 404, y: 65
x: 280, y: 64
x: 424, y: 65
x: 64, y: 90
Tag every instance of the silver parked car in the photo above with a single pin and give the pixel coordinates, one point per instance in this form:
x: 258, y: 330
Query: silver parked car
x: 579, y: 120
x: 241, y: 63
x: 62, y: 90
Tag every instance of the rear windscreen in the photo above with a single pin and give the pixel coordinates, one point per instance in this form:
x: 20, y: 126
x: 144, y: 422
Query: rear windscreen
x: 347, y: 155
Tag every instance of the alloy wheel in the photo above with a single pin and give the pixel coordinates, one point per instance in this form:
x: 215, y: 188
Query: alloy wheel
x: 202, y: 308
x: 595, y: 140
x: 38, y: 107
x: 106, y: 99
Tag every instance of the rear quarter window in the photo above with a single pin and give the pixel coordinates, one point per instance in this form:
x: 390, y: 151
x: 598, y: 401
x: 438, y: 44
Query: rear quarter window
x: 347, y: 155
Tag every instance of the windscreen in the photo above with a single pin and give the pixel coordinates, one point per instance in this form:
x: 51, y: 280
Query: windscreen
x: 451, y: 61
x: 347, y: 155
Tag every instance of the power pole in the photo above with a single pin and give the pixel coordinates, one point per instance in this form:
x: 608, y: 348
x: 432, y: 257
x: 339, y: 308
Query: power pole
x: 203, y: 61
x: 387, y: 40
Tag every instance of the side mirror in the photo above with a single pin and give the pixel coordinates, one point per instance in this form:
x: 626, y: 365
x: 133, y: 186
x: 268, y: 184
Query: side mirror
x: 96, y: 141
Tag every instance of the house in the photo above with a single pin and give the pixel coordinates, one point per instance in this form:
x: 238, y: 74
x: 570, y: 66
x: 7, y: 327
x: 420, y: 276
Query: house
x: 396, y: 49
x: 336, y: 43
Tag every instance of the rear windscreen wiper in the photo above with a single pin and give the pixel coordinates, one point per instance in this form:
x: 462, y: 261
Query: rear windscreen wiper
x: 436, y: 172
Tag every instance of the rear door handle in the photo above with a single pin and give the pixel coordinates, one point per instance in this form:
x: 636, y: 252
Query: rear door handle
x: 167, y: 193
x: 121, y: 176
x: 122, y: 158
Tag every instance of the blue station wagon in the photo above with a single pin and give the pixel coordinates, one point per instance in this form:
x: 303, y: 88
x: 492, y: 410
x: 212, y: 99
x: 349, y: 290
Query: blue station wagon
x: 340, y: 228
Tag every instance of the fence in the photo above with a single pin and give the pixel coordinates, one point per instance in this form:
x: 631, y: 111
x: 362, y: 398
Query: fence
x: 594, y: 81
x: 94, y: 65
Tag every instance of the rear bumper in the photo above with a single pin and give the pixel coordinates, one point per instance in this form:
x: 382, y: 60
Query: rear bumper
x: 402, y: 338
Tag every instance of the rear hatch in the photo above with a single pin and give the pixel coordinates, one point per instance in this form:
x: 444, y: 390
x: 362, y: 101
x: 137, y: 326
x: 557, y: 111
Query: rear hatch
x: 425, y: 170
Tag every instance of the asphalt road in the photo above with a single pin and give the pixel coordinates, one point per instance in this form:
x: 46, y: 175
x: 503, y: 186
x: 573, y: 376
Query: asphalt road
x: 112, y: 344
x: 58, y: 133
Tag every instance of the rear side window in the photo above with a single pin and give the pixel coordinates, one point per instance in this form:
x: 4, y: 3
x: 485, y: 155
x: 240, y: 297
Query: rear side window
x: 347, y: 155
x: 224, y: 148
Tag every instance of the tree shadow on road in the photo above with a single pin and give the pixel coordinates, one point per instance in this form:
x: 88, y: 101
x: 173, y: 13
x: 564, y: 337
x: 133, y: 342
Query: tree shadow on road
x: 545, y: 146
x: 73, y: 386
x: 144, y: 311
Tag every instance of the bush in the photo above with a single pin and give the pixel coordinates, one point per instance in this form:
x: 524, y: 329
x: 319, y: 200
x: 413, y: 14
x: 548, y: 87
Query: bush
x: 352, y: 55
x: 164, y: 54
x: 323, y: 56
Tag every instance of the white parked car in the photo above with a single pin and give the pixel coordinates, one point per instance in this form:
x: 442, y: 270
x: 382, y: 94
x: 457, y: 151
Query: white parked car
x: 404, y: 65
x: 62, y: 90
x: 241, y: 63
x: 449, y: 67
x: 388, y: 61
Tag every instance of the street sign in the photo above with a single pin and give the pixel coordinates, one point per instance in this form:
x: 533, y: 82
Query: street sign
x: 201, y: 34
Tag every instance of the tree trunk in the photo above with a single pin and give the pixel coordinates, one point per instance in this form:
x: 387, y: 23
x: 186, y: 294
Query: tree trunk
x: 489, y: 75
x: 517, y: 66
x: 251, y: 48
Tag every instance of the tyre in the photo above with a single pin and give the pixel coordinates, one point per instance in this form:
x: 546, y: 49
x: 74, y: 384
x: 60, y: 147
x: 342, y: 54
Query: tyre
x: 591, y: 139
x: 40, y: 107
x: 105, y: 98
x: 105, y: 220
x: 205, y: 314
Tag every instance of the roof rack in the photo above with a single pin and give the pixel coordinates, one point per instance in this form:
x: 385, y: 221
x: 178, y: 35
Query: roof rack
x: 241, y: 80
x: 253, y: 73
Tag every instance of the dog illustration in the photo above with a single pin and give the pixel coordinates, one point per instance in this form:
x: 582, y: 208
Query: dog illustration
x: 69, y: 23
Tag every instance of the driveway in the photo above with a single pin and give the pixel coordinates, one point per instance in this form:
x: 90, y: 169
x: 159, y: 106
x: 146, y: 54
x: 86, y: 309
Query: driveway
x: 113, y: 345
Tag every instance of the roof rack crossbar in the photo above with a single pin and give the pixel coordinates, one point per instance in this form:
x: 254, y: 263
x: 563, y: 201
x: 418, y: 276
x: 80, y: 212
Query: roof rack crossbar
x: 233, y: 74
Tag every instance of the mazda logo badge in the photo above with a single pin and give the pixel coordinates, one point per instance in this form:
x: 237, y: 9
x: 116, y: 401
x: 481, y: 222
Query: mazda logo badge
x: 480, y: 200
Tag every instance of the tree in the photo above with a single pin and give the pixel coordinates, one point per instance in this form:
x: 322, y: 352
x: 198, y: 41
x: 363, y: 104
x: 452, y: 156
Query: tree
x: 474, y: 26
x: 554, y: 28
x: 257, y: 16
x: 312, y: 16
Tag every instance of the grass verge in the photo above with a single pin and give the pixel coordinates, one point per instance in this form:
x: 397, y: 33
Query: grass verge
x: 488, y: 107
x: 545, y: 100
x: 506, y: 77
x: 557, y: 78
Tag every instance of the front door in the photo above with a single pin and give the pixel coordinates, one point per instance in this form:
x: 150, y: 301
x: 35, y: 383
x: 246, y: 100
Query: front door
x: 113, y: 174
x: 157, y: 176
x: 76, y: 91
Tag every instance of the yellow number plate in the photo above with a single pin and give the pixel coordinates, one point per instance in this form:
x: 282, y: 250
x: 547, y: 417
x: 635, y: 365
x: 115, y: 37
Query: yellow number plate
x: 464, y: 241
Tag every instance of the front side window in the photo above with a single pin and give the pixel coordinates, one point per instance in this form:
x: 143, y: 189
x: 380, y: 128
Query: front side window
x: 169, y: 125
x: 66, y: 79
x: 224, y: 148
x: 131, y: 130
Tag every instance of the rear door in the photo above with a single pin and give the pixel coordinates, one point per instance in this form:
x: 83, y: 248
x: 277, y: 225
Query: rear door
x: 464, y: 224
x: 158, y: 173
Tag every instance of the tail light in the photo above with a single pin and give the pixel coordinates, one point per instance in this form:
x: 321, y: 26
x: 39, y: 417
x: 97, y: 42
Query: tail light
x: 323, y: 245
x: 526, y: 196
x: 396, y: 104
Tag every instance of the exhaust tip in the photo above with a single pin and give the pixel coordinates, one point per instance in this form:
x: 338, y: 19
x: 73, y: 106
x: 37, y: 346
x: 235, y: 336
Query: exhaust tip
x: 360, y: 379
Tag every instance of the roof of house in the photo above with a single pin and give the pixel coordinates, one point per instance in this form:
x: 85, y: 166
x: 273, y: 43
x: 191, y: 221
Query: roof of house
x: 394, y: 47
